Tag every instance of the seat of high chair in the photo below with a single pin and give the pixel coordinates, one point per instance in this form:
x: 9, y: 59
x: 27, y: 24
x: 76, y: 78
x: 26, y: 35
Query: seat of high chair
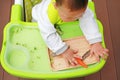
x: 24, y: 53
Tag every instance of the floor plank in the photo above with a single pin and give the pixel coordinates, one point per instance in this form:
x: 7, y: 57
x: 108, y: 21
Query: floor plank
x: 4, y: 19
x: 82, y: 78
x: 4, y: 16
x: 5, y: 8
x: 95, y: 76
x: 109, y: 69
x: 9, y: 77
x: 1, y: 73
x: 114, y: 18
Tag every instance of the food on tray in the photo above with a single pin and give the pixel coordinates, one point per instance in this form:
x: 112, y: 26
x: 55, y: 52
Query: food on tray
x: 83, y: 47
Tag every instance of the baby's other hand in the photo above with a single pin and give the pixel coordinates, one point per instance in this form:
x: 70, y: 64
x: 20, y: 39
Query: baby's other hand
x: 98, y: 50
x: 69, y: 56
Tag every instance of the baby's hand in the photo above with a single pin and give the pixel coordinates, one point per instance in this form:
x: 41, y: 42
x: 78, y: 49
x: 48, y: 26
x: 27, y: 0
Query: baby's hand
x: 69, y: 56
x: 99, y: 51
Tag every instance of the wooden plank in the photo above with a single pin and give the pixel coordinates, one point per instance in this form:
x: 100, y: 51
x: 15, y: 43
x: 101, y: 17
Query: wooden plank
x: 12, y: 1
x: 74, y: 79
x: 9, y: 77
x: 95, y: 76
x: 1, y: 73
x: 4, y: 19
x: 109, y: 70
x: 114, y: 18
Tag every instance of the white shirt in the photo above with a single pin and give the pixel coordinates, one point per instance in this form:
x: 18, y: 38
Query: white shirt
x: 87, y: 24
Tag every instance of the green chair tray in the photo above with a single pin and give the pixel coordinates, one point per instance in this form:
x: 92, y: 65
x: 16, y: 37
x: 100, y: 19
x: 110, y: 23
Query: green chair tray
x: 24, y: 53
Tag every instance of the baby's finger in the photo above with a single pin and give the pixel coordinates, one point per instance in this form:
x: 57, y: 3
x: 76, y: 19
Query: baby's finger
x: 91, y: 53
x: 97, y: 57
x: 75, y: 62
x: 72, y: 62
x: 105, y: 55
x: 106, y: 50
x: 101, y: 54
x: 77, y: 56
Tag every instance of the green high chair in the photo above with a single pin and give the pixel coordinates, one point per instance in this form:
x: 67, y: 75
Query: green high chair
x: 24, y: 53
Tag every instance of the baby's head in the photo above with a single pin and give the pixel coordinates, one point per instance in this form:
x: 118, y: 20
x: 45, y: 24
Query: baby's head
x: 70, y: 10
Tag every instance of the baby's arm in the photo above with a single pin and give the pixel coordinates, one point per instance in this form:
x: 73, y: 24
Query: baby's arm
x: 47, y: 30
x: 90, y: 29
x: 49, y: 34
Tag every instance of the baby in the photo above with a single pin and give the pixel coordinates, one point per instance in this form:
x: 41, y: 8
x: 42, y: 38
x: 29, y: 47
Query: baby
x: 51, y: 12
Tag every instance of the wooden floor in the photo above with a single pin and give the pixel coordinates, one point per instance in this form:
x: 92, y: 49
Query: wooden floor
x: 108, y: 11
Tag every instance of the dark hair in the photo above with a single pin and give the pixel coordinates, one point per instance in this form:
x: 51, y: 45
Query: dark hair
x: 73, y: 4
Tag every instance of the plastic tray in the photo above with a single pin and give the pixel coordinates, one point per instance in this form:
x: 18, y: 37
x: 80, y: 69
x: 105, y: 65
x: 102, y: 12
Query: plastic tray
x: 24, y: 53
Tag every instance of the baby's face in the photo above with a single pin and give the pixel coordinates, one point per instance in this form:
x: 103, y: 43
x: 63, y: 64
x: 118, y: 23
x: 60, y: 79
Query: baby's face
x: 66, y: 15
